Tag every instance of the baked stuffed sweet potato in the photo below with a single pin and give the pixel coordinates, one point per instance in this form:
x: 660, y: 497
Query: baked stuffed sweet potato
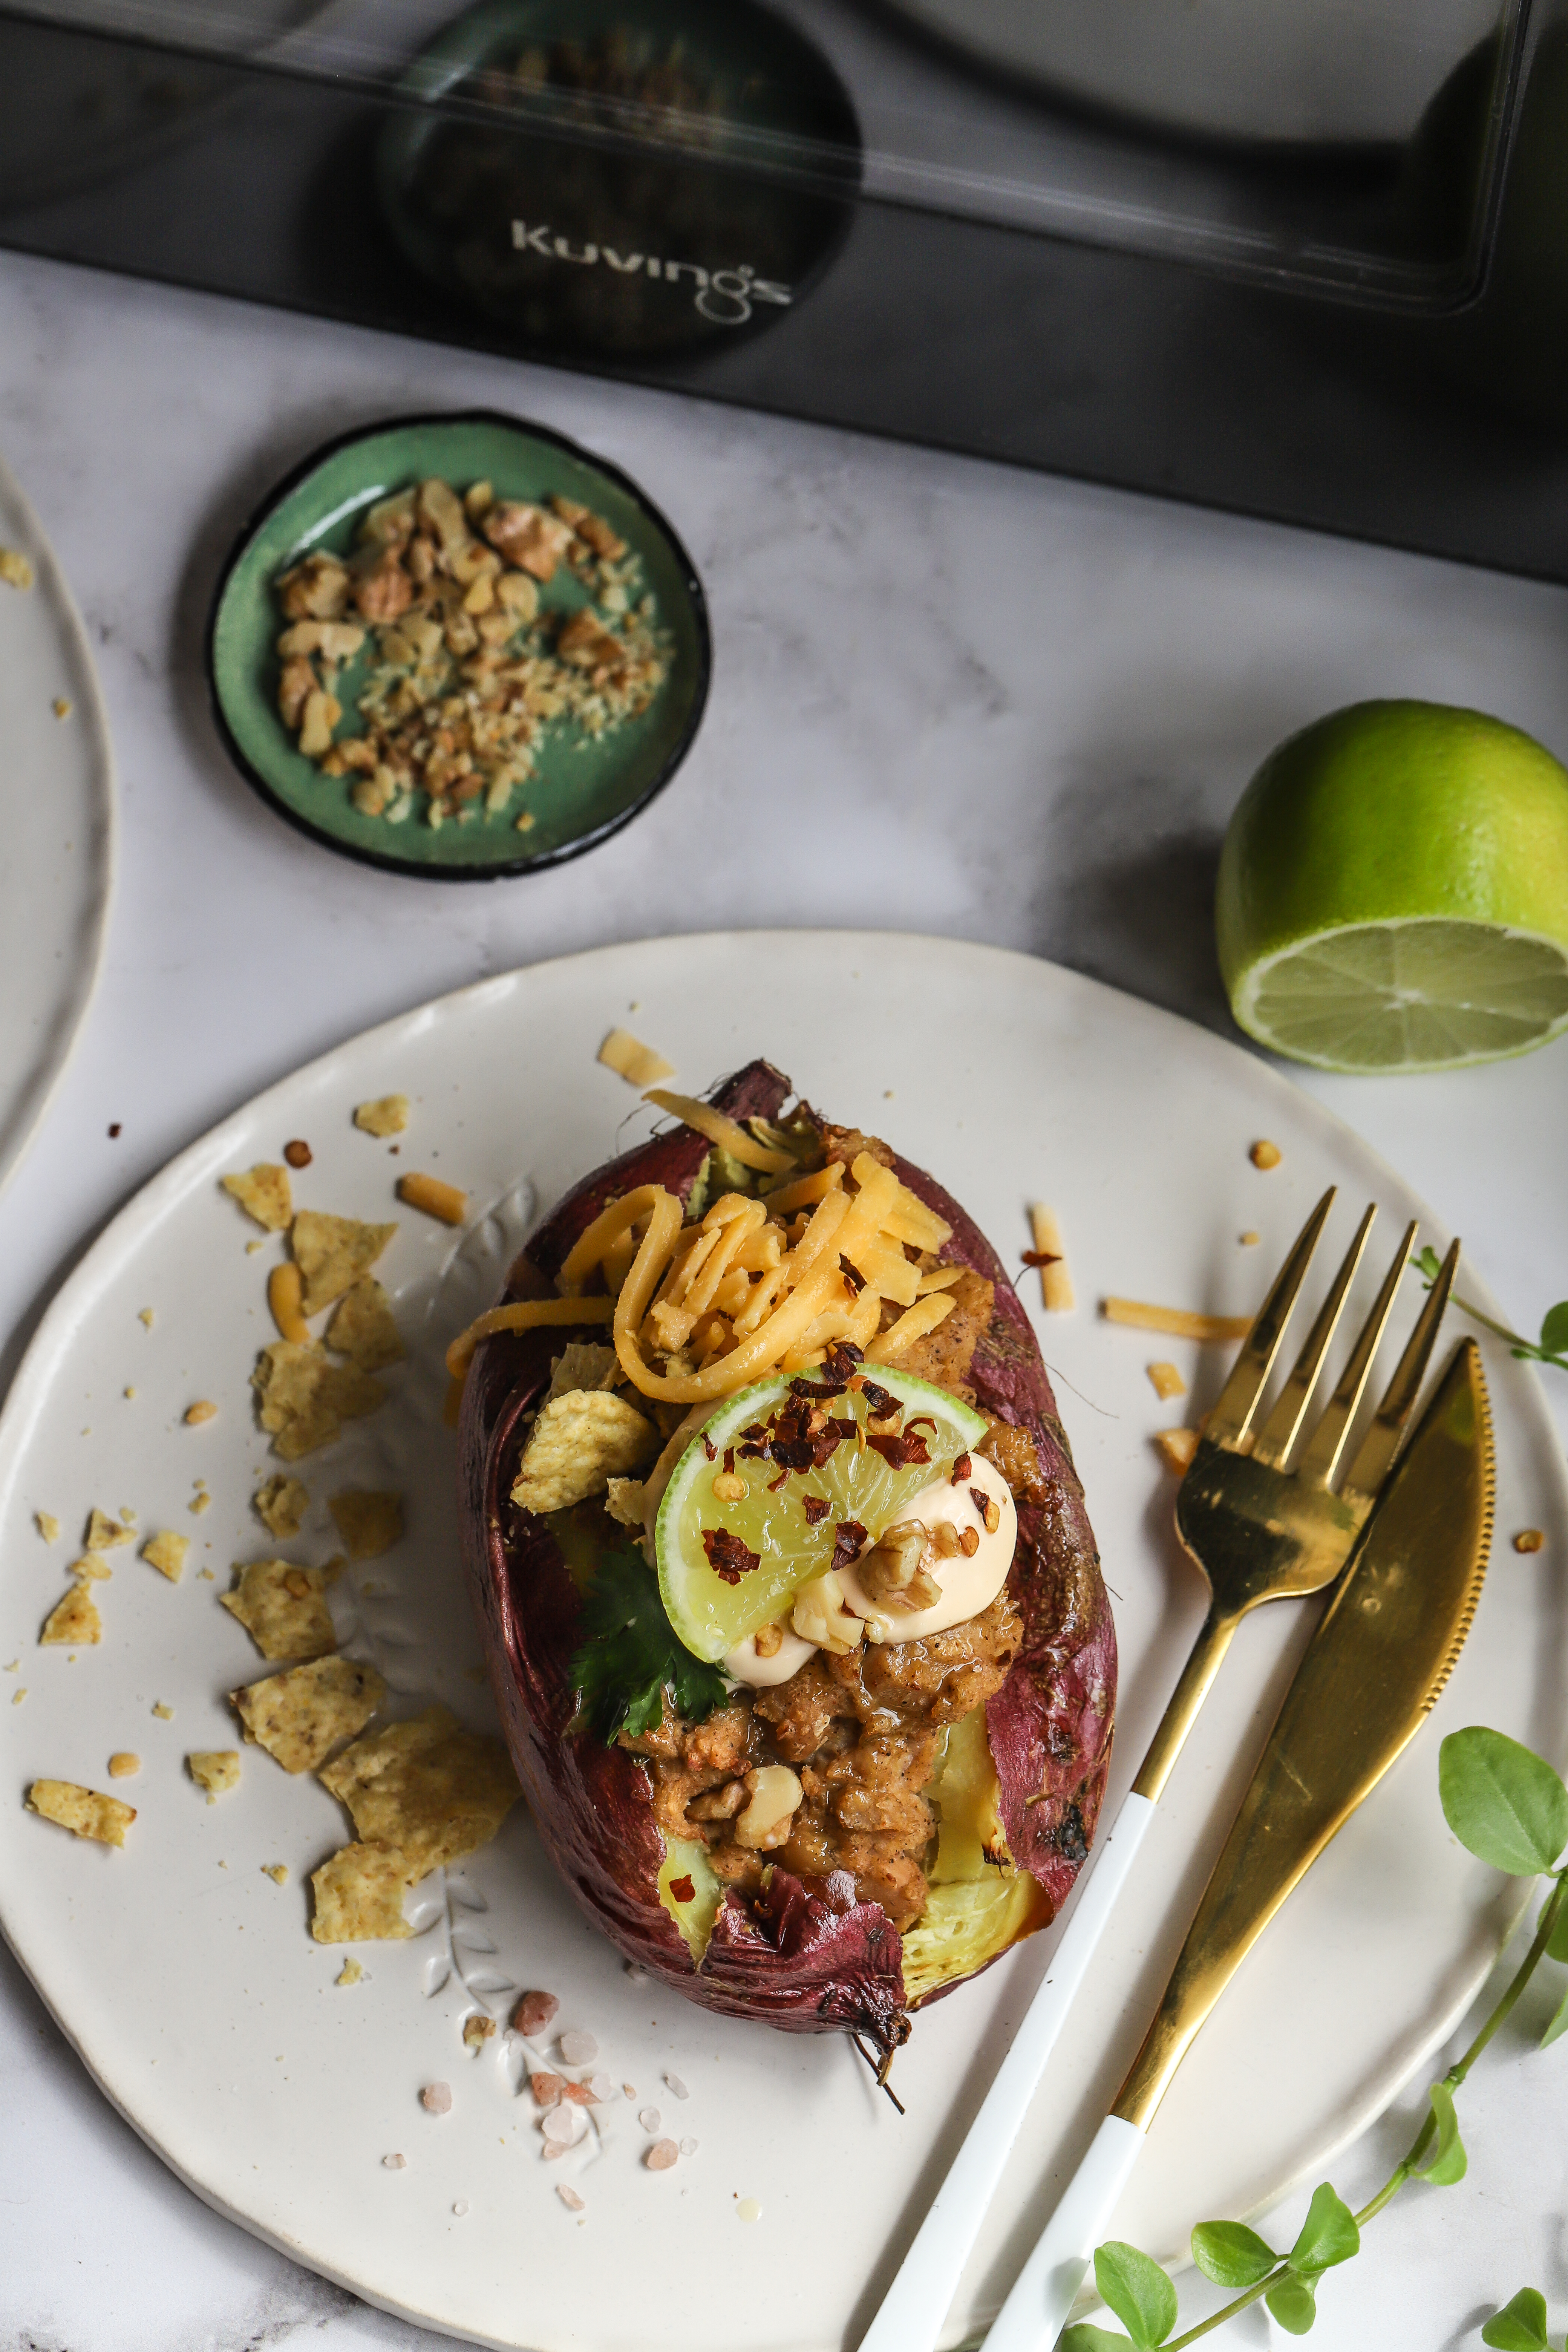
x: 861, y: 1802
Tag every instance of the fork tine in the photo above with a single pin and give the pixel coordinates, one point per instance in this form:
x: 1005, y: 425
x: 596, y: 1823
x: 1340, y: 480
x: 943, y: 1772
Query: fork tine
x: 1381, y: 1443
x: 1326, y: 1446
x: 1283, y: 1426
x: 1239, y: 1398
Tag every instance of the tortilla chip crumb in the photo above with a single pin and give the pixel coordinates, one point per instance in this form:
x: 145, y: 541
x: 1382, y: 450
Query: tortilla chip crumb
x: 75, y: 1619
x: 365, y: 1328
x: 203, y: 1410
x: 19, y: 1695
x: 624, y: 1500
x: 164, y: 1714
x: 263, y: 1194
x: 11, y: 1665
x: 583, y: 1364
x: 123, y: 1763
x: 578, y: 1442
x: 300, y: 1716
x: 214, y: 1770
x: 166, y: 1553
x: 281, y: 1504
x: 102, y: 1532
x: 424, y: 1788
x: 281, y: 1607
x: 332, y: 1252
x: 15, y: 569
x: 350, y: 1973
x: 198, y: 1503
x: 476, y: 2031
x: 278, y: 1872
x: 388, y: 1115
x: 144, y: 1315
x: 90, y: 1568
x: 1178, y: 1446
x: 368, y: 1522
x: 359, y: 1896
x: 306, y: 1396
x: 49, y: 1527
x: 632, y: 1060
x: 206, y: 1576
x: 82, y: 1811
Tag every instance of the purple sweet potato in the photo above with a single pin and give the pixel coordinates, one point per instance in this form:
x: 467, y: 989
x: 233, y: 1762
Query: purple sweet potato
x: 805, y: 1954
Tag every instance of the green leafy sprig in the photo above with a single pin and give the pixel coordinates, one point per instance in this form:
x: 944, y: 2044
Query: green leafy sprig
x: 1510, y: 1807
x: 630, y: 1655
x: 1551, y: 1348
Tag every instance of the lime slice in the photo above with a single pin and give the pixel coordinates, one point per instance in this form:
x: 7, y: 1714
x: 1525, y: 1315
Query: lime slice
x: 766, y: 1543
x: 1394, y: 892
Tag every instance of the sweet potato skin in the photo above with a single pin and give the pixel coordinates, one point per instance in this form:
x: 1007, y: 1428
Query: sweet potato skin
x: 806, y: 1956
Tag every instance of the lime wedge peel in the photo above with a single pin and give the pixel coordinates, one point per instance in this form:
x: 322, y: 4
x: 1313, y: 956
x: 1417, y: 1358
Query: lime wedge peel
x: 1422, y: 993
x: 709, y: 1613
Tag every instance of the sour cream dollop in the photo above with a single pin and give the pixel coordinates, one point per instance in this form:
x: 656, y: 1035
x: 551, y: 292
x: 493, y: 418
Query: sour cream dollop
x: 744, y: 1666
x: 968, y: 1586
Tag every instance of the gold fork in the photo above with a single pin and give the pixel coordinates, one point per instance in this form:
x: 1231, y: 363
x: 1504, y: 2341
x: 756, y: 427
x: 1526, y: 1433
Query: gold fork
x: 1261, y: 1529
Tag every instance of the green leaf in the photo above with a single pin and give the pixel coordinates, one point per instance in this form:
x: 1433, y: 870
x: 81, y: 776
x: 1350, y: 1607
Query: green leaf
x: 630, y: 1654
x: 1084, y: 2338
x: 1554, y: 1328
x: 1427, y: 1265
x: 1506, y: 1804
x: 1557, y: 1942
x: 1231, y: 2254
x: 1447, y: 2162
x: 1293, y: 2304
x: 1329, y: 2235
x: 1520, y: 2326
x: 1137, y: 2291
x: 1558, y: 2027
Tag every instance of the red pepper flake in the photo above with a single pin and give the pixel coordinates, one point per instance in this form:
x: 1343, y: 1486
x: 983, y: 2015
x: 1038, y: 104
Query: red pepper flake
x: 879, y: 1402
x: 683, y: 1889
x: 850, y: 1544
x: 961, y: 1470
x: 852, y: 1276
x: 729, y: 1461
x: 728, y: 1555
x: 815, y: 1509
x: 709, y: 1447
x: 915, y: 1420
x: 986, y: 1506
x: 1041, y: 1257
x: 898, y: 1448
x: 114, y: 1132
x: 841, y: 1359
x: 775, y: 1483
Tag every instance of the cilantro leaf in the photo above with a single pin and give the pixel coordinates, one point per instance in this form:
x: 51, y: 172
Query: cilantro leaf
x: 630, y: 1655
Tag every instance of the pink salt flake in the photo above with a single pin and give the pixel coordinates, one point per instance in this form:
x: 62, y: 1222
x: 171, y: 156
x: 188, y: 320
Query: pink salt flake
x: 602, y: 2088
x: 578, y: 2049
x: 551, y: 2150
x: 688, y: 2148
x: 436, y: 2098
x: 395, y: 2163
x: 676, y: 2087
x: 650, y: 2119
x: 548, y: 2089
x: 582, y: 2094
x: 662, y: 2156
x: 533, y: 2013
x: 570, y: 2199
x: 564, y: 2126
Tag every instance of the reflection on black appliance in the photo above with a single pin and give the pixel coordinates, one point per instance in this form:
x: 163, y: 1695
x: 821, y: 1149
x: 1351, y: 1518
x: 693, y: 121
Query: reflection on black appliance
x: 637, y: 179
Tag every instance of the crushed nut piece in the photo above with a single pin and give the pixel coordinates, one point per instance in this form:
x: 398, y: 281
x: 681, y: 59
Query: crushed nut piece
x: 1264, y: 1154
x: 298, y: 1153
x: 203, y: 1410
x: 1529, y: 1540
x: 477, y: 2031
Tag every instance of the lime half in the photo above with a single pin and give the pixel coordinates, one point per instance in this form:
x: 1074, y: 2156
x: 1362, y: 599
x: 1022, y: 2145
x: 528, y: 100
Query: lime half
x: 729, y: 1561
x: 1394, y: 892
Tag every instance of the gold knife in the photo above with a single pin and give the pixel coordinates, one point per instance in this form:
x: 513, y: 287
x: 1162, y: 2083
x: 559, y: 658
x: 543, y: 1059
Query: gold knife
x: 1385, y: 1647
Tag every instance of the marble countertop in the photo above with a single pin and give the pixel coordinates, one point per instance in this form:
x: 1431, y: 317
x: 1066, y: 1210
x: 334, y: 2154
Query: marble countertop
x: 1013, y: 709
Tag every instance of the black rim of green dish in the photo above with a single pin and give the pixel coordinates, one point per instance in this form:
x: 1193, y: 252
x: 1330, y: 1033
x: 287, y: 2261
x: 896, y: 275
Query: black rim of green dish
x: 498, y: 869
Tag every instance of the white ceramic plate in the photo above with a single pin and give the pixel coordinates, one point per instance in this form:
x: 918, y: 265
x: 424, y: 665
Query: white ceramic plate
x: 188, y: 1979
x: 57, y: 807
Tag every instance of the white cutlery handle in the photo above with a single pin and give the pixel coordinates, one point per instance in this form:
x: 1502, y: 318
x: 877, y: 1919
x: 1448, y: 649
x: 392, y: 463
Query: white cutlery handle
x: 1044, y: 2292
x: 917, y: 2303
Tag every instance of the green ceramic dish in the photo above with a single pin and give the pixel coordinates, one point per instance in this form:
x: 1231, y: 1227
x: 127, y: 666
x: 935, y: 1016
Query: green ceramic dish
x: 583, y: 790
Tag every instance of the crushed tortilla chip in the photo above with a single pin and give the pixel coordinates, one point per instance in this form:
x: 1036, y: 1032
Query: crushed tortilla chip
x: 122, y: 1764
x: 214, y: 1770
x: 425, y: 1787
x: 75, y: 1619
x: 299, y: 1716
x: 278, y: 1872
x: 368, y: 1522
x: 476, y: 2031
x: 364, y: 1328
x: 90, y: 1568
x: 332, y: 1252
x: 578, y: 1442
x: 166, y: 1553
x: 49, y: 1527
x: 263, y: 1194
x: 306, y: 1397
x: 164, y: 1714
x: 625, y: 1501
x: 359, y: 1895
x: 15, y: 569
x: 350, y: 1973
x: 632, y: 1060
x: 583, y: 1364
x: 281, y: 1505
x: 82, y: 1811
x: 281, y: 1609
x: 102, y: 1532
x: 388, y: 1115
